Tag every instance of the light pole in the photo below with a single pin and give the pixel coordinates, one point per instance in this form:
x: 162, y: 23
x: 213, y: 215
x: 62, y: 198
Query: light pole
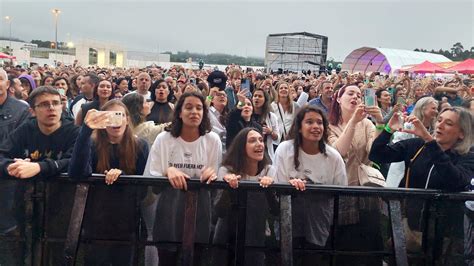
x: 9, y: 21
x: 56, y: 13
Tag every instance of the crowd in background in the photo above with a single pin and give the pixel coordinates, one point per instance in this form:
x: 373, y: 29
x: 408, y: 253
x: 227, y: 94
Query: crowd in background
x: 242, y: 124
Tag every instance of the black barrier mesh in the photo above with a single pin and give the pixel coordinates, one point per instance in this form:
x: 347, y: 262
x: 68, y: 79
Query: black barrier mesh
x: 138, y: 221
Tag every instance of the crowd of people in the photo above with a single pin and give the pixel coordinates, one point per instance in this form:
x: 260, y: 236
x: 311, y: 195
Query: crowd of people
x: 241, y: 124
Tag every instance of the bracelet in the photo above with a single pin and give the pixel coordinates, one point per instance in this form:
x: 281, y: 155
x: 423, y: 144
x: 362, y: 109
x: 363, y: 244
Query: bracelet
x: 241, y: 104
x: 209, y: 98
x: 388, y: 129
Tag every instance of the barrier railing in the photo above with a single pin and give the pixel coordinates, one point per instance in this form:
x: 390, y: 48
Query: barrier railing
x: 36, y: 242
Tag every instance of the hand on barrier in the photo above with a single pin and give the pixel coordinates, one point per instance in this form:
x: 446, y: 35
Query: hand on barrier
x: 266, y: 181
x: 208, y: 174
x: 23, y: 168
x: 298, y: 184
x: 233, y: 180
x: 177, y: 178
x: 112, y: 175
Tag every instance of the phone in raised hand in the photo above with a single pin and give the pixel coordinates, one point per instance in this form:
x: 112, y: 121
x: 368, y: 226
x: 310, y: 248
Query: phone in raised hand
x: 370, y: 99
x: 245, y: 86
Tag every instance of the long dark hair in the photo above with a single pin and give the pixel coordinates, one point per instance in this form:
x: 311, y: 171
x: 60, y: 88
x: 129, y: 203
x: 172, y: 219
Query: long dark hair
x: 127, y: 148
x: 134, y: 103
x: 296, y: 136
x: 234, y: 159
x: 177, y: 125
x: 265, y: 108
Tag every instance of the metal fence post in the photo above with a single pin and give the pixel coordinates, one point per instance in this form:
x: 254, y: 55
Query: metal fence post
x: 398, y: 233
x: 286, y: 231
x: 75, y: 224
x: 189, y: 231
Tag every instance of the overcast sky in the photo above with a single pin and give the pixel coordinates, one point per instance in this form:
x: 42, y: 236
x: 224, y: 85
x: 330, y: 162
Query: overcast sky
x: 241, y: 27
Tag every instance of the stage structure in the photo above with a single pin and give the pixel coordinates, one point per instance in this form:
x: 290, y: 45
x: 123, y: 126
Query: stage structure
x: 296, y: 52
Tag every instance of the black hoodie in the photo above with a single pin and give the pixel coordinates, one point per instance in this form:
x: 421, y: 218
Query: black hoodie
x: 52, y: 152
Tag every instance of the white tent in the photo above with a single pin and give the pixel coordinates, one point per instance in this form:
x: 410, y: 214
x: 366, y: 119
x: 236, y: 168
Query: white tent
x: 370, y: 59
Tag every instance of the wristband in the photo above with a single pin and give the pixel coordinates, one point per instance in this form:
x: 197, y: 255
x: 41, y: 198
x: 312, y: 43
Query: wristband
x: 380, y: 127
x: 241, y: 104
x: 388, y: 129
x: 209, y: 98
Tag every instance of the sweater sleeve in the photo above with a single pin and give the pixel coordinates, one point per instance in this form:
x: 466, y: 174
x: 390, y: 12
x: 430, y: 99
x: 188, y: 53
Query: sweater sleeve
x: 80, y: 164
x: 9, y: 149
x: 142, y: 157
x: 459, y: 175
x: 383, y: 152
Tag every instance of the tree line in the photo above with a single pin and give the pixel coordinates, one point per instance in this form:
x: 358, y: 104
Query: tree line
x: 456, y: 53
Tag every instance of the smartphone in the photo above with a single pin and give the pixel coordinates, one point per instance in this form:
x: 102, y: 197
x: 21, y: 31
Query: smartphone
x: 114, y: 118
x: 62, y: 92
x: 245, y: 85
x: 192, y: 81
x: 369, y: 97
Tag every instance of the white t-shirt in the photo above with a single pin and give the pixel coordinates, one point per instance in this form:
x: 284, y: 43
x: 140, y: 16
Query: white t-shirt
x: 285, y: 119
x: 320, y: 169
x: 312, y: 212
x: 188, y: 157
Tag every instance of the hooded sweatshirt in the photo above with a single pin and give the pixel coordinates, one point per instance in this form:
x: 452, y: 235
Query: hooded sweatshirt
x: 30, y: 80
x: 52, y: 152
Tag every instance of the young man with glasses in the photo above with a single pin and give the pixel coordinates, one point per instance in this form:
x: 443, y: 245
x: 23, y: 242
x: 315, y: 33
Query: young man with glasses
x: 42, y: 146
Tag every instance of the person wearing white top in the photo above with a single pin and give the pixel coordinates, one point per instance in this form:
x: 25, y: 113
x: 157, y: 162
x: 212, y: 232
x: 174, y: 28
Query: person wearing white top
x: 267, y: 119
x: 245, y: 160
x: 306, y: 158
x: 284, y: 108
x: 218, y: 112
x: 188, y: 151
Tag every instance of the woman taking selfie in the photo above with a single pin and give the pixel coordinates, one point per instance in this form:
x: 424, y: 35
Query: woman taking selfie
x: 444, y: 160
x: 305, y: 158
x: 112, y: 150
x: 245, y: 160
x: 188, y: 150
x: 351, y: 134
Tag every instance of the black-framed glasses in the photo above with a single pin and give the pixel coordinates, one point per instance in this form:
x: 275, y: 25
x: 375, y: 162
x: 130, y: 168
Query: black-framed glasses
x: 47, y: 105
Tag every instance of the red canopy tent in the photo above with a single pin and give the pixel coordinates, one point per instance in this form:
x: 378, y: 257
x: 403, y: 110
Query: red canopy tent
x: 465, y: 67
x: 427, y: 67
x: 5, y: 56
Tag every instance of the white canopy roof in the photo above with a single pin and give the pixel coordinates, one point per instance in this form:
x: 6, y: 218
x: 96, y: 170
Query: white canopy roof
x: 370, y: 59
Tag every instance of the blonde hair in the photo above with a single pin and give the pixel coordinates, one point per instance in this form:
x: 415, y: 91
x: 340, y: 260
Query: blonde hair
x: 463, y: 146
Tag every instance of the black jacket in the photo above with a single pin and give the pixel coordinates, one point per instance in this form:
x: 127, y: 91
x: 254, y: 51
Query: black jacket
x: 52, y: 152
x: 12, y: 114
x: 451, y: 171
x: 111, y: 212
x: 235, y: 123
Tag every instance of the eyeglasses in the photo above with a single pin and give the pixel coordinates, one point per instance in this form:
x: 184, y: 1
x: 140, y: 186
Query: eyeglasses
x: 47, y: 105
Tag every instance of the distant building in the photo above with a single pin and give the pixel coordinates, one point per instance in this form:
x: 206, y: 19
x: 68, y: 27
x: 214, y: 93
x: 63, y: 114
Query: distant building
x: 296, y: 52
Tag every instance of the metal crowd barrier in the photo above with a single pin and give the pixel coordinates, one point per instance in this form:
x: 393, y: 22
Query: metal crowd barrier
x: 34, y: 242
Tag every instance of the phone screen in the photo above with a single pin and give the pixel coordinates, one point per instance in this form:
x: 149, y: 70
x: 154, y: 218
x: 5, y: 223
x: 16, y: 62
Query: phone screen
x: 245, y: 85
x: 369, y: 97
